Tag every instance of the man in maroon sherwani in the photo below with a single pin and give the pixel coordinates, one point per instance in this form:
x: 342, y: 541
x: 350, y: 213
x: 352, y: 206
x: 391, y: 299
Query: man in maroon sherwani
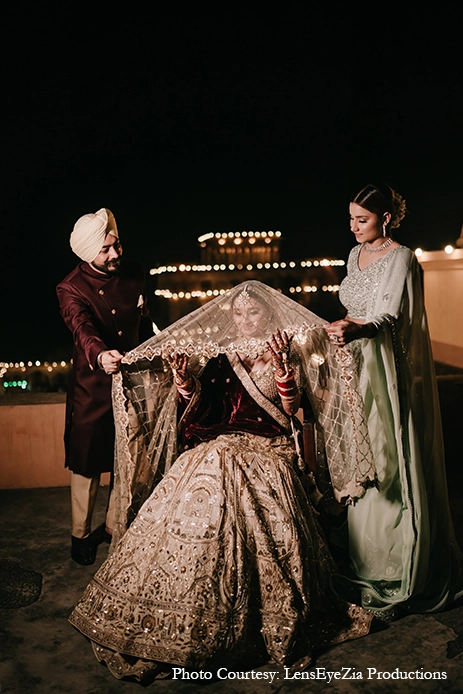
x: 102, y: 301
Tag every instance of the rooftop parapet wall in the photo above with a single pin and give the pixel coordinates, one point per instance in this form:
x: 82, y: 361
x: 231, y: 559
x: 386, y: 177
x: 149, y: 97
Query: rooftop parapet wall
x: 443, y: 295
x: 31, y: 441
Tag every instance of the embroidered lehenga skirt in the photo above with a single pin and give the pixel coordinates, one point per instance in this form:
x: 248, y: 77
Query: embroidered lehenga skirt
x: 224, y: 556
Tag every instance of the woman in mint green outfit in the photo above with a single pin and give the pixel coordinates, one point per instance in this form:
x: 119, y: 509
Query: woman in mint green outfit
x: 401, y: 541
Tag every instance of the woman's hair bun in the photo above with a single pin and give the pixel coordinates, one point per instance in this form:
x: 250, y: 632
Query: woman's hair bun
x: 381, y: 198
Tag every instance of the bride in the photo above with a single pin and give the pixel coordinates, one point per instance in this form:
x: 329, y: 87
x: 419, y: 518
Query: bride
x: 217, y: 550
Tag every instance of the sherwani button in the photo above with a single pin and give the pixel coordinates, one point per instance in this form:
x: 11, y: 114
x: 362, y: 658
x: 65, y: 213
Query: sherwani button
x: 100, y: 291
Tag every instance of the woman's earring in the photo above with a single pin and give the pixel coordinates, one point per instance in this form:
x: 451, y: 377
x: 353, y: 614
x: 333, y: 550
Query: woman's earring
x: 384, y: 230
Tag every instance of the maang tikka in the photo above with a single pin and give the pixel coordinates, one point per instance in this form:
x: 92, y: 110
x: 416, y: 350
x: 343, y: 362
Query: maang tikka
x: 243, y: 297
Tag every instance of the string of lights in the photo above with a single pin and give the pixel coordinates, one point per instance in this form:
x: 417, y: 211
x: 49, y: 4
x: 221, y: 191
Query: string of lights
x: 199, y: 294
x: 262, y: 266
x: 249, y: 266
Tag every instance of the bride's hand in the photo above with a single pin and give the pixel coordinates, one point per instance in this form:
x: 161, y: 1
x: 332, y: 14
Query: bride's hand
x: 179, y: 365
x: 278, y: 346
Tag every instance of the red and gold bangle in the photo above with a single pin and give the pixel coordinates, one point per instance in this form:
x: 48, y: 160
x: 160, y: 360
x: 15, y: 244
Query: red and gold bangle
x: 286, y: 386
x: 285, y: 383
x: 290, y: 392
x: 289, y: 376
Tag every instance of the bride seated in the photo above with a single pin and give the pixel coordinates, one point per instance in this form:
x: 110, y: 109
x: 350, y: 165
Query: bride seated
x: 217, y: 552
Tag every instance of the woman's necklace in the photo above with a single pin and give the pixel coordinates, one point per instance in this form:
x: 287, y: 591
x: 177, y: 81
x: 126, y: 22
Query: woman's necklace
x: 250, y: 364
x: 378, y: 248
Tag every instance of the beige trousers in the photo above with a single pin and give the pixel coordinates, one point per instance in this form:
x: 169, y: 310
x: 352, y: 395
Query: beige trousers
x: 84, y: 491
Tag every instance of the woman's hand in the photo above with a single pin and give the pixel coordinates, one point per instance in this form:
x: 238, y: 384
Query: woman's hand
x: 278, y: 346
x: 341, y: 332
x: 179, y: 365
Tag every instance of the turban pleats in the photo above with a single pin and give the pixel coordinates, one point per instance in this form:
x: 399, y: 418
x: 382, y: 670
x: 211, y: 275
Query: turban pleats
x: 89, y: 233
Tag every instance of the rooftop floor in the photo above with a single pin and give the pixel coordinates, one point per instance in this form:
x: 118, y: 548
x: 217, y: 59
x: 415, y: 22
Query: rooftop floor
x: 40, y: 652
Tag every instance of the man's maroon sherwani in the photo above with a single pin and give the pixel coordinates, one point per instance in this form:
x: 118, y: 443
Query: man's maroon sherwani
x: 103, y: 312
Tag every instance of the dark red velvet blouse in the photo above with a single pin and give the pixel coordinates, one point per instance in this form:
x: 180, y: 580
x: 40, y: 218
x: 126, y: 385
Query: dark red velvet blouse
x: 225, y: 407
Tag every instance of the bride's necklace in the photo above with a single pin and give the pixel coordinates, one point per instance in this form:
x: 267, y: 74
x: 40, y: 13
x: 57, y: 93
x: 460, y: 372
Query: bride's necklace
x: 250, y: 363
x: 384, y: 245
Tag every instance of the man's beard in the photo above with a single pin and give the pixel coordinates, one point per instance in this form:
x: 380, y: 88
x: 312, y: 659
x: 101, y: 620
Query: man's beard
x: 109, y: 267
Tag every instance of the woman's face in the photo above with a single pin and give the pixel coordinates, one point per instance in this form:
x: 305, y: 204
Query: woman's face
x: 364, y: 224
x: 251, y: 317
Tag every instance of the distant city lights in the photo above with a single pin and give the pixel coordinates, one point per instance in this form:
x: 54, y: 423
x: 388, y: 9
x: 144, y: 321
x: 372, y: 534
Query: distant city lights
x: 10, y: 371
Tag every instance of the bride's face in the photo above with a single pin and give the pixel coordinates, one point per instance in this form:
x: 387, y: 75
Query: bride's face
x: 251, y: 317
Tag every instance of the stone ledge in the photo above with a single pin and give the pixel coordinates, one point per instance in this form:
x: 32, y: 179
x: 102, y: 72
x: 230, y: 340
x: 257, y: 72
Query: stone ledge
x: 32, y: 399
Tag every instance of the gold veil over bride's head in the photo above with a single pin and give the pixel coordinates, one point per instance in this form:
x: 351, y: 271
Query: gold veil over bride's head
x: 213, y: 329
x: 241, y: 320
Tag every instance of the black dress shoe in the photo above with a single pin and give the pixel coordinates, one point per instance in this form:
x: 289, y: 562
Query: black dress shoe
x: 101, y: 535
x: 83, y: 551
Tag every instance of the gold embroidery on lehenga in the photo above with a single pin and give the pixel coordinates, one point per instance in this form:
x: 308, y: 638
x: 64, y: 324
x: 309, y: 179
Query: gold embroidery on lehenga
x: 224, y: 554
x: 235, y: 510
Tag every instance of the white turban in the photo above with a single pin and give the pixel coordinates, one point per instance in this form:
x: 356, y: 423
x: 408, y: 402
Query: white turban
x: 89, y: 233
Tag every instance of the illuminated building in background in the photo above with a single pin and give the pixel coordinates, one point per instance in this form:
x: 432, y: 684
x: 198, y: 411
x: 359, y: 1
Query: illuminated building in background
x: 230, y: 258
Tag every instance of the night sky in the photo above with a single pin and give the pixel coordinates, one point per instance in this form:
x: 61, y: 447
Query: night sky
x: 185, y: 122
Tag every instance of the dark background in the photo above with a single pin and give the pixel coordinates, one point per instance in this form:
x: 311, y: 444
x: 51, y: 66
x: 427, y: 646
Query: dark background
x: 188, y: 121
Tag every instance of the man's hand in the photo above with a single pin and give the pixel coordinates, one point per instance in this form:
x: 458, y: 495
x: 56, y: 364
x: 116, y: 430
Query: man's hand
x: 109, y: 361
